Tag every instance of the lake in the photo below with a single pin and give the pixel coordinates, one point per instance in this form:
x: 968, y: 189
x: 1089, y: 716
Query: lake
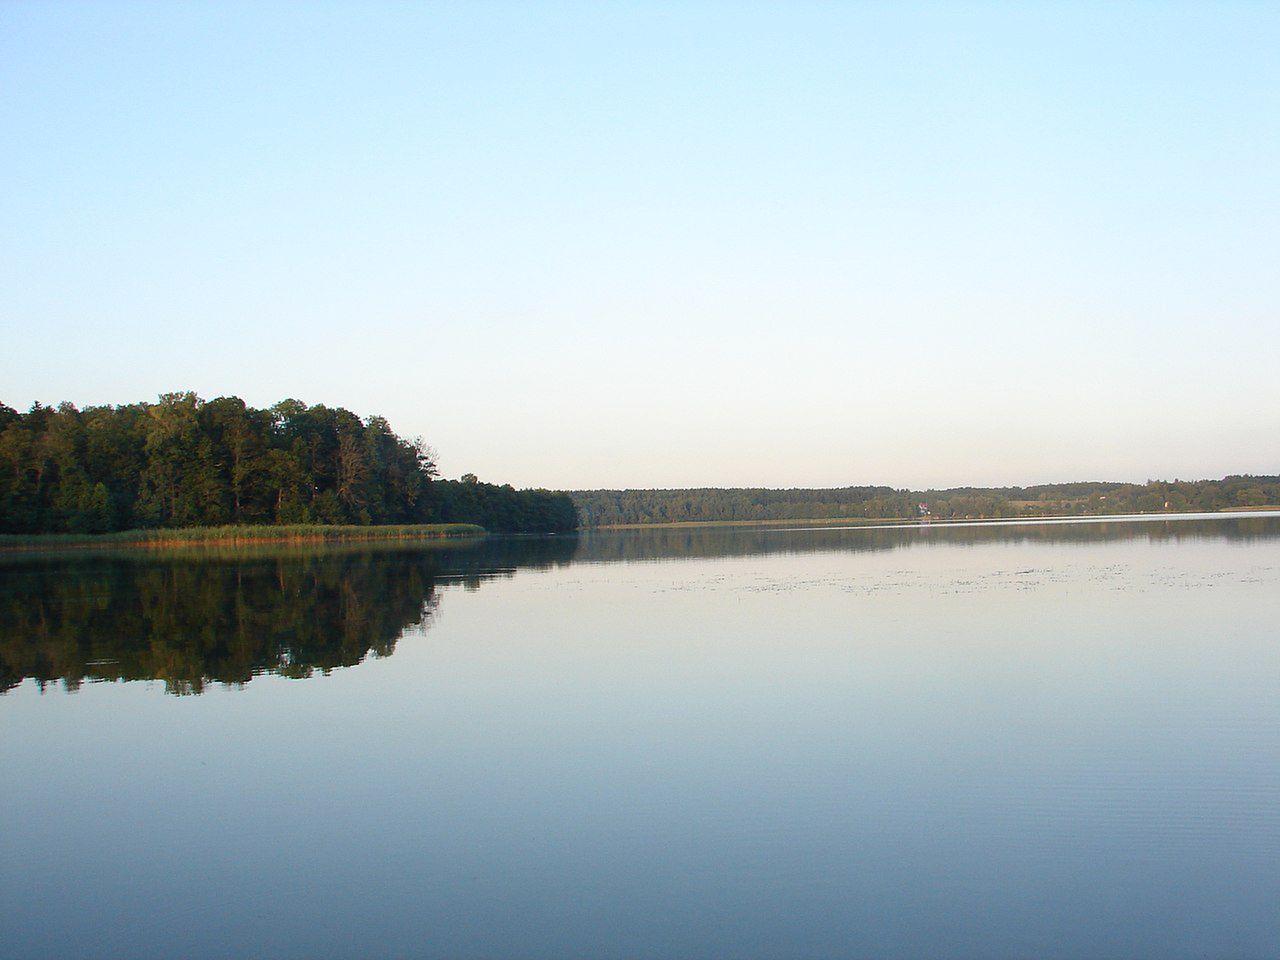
x: 979, y: 741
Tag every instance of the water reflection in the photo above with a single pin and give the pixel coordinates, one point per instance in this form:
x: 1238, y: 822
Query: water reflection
x: 665, y: 543
x: 962, y: 742
x: 198, y: 616
x: 192, y: 618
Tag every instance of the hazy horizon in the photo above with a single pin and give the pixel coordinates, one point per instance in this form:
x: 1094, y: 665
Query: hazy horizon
x: 940, y: 487
x: 660, y: 246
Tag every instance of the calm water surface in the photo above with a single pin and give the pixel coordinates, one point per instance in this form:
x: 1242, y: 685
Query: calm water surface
x: 989, y: 742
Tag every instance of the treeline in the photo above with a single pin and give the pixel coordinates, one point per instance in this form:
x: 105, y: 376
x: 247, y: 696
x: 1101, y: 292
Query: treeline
x: 187, y: 462
x: 607, y: 507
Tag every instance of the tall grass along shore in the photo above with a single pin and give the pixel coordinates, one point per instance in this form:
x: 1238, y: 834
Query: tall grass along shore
x: 292, y: 533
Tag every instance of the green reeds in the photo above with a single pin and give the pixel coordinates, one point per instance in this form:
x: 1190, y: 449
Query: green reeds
x: 292, y: 533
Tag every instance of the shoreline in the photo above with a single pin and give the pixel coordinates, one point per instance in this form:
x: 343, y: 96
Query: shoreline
x: 230, y: 536
x: 165, y: 539
x: 853, y: 522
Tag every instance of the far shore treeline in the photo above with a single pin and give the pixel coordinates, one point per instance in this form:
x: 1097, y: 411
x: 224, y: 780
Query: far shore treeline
x: 186, y: 462
x: 612, y: 507
x: 183, y: 462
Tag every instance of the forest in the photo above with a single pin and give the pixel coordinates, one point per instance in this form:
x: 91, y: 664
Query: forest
x: 611, y: 507
x: 186, y: 462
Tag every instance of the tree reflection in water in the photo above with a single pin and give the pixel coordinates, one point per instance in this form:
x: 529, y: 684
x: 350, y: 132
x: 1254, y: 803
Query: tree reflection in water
x: 195, y: 617
x: 205, y: 615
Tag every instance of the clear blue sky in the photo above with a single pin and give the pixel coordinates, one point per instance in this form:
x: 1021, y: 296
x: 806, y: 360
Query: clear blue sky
x: 664, y: 244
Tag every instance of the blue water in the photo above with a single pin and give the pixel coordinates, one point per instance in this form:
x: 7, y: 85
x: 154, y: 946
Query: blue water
x: 1027, y: 741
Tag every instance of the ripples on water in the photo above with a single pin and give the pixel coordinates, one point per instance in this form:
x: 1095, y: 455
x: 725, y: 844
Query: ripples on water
x: 975, y: 741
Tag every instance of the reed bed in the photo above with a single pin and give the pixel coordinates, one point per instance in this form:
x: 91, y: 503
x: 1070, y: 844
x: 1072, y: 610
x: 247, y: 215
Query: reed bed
x: 294, y: 533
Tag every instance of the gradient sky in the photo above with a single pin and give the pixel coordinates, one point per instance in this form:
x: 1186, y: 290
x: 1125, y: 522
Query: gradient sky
x: 664, y: 244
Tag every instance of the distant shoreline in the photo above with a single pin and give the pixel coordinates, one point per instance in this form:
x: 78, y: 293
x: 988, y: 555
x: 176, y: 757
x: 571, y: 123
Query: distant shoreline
x: 240, y: 535
x: 881, y: 522
x: 796, y: 522
x: 859, y: 504
x: 300, y: 534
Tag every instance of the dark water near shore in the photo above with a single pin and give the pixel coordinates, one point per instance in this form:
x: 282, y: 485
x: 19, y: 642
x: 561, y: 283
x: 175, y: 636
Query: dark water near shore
x: 979, y: 741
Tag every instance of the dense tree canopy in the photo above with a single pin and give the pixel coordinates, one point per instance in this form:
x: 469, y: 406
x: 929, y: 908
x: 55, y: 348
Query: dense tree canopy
x: 183, y: 462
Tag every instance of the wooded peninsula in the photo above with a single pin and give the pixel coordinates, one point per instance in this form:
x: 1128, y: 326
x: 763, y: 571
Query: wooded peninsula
x: 187, y: 463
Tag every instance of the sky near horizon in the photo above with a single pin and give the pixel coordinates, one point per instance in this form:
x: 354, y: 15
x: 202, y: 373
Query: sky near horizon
x: 664, y: 244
